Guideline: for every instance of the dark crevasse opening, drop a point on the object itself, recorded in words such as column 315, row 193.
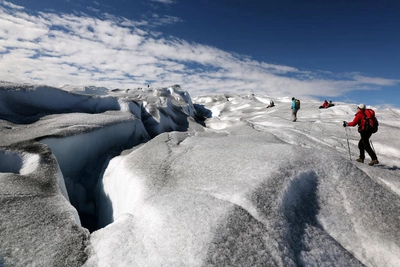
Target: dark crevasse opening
column 83, row 158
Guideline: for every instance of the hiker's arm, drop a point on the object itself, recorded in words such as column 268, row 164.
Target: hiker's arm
column 356, row 120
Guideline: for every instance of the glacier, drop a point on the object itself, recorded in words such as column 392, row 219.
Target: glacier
column 153, row 177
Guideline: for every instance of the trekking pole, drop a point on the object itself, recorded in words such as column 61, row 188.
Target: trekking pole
column 372, row 146
column 348, row 145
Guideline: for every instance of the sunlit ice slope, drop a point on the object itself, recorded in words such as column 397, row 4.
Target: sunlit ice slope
column 255, row 189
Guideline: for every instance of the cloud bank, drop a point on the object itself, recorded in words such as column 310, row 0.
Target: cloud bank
column 115, row 52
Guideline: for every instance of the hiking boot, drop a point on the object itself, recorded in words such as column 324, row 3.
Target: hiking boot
column 373, row 162
column 360, row 160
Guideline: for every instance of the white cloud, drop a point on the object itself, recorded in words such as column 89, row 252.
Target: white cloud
column 164, row 1
column 20, row 28
column 164, row 20
column 58, row 49
column 375, row 80
column 11, row 5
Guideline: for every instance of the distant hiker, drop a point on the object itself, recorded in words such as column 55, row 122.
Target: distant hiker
column 324, row 105
column 295, row 108
column 362, row 120
column 271, row 104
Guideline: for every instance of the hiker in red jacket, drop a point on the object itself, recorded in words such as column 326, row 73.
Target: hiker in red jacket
column 324, row 105
column 363, row 144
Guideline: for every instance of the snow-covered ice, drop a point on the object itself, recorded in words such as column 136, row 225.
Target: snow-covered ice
column 153, row 177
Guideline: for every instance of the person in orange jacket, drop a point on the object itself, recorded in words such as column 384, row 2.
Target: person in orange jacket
column 363, row 144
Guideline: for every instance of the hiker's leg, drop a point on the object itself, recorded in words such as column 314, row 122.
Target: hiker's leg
column 361, row 148
column 294, row 117
column 365, row 139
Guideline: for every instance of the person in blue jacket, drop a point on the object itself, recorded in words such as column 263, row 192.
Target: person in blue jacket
column 294, row 109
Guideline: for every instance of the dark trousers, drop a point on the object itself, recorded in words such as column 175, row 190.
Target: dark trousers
column 364, row 145
column 294, row 114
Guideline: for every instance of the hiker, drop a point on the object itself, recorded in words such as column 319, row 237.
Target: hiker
column 271, row 104
column 363, row 144
column 324, row 105
column 295, row 108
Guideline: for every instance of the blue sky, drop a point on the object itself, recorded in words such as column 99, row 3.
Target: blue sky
column 336, row 50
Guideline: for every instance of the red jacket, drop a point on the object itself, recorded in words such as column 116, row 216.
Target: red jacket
column 358, row 120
